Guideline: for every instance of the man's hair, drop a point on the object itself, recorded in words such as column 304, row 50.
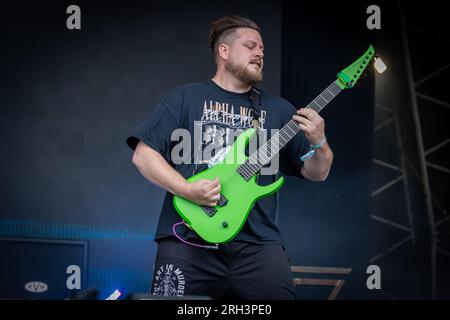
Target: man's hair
column 226, row 26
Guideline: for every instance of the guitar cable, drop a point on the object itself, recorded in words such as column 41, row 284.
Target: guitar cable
column 214, row 247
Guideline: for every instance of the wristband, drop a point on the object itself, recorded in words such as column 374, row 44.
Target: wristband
column 312, row 150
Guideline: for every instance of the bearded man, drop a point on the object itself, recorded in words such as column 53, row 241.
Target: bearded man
column 254, row 265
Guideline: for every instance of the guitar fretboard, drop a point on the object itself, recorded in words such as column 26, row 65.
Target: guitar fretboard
column 269, row 149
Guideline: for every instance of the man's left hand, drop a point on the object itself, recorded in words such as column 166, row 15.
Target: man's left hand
column 312, row 124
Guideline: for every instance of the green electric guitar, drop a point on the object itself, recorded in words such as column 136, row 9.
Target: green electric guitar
column 237, row 172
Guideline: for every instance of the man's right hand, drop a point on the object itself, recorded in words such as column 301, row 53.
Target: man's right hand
column 204, row 192
column 155, row 168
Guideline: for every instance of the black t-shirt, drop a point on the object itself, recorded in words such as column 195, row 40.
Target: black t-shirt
column 209, row 114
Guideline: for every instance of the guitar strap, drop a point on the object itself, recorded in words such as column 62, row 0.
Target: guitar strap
column 255, row 98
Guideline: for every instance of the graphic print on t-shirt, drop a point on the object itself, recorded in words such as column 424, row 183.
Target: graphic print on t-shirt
column 219, row 125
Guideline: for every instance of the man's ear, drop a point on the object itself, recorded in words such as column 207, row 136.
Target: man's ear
column 223, row 51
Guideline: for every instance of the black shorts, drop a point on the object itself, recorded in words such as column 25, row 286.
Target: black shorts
column 237, row 270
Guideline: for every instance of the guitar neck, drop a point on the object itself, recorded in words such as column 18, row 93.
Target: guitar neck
column 269, row 149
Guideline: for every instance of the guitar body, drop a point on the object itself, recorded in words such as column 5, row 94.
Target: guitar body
column 227, row 220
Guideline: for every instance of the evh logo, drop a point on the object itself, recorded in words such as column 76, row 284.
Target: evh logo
column 73, row 281
column 36, row 286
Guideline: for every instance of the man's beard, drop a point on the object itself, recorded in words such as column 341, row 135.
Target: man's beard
column 242, row 73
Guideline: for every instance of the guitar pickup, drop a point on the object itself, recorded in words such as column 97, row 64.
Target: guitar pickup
column 222, row 201
column 210, row 211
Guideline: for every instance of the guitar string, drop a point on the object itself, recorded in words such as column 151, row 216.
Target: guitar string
column 330, row 92
column 255, row 155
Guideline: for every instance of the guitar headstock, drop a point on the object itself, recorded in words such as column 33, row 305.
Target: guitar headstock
column 349, row 76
